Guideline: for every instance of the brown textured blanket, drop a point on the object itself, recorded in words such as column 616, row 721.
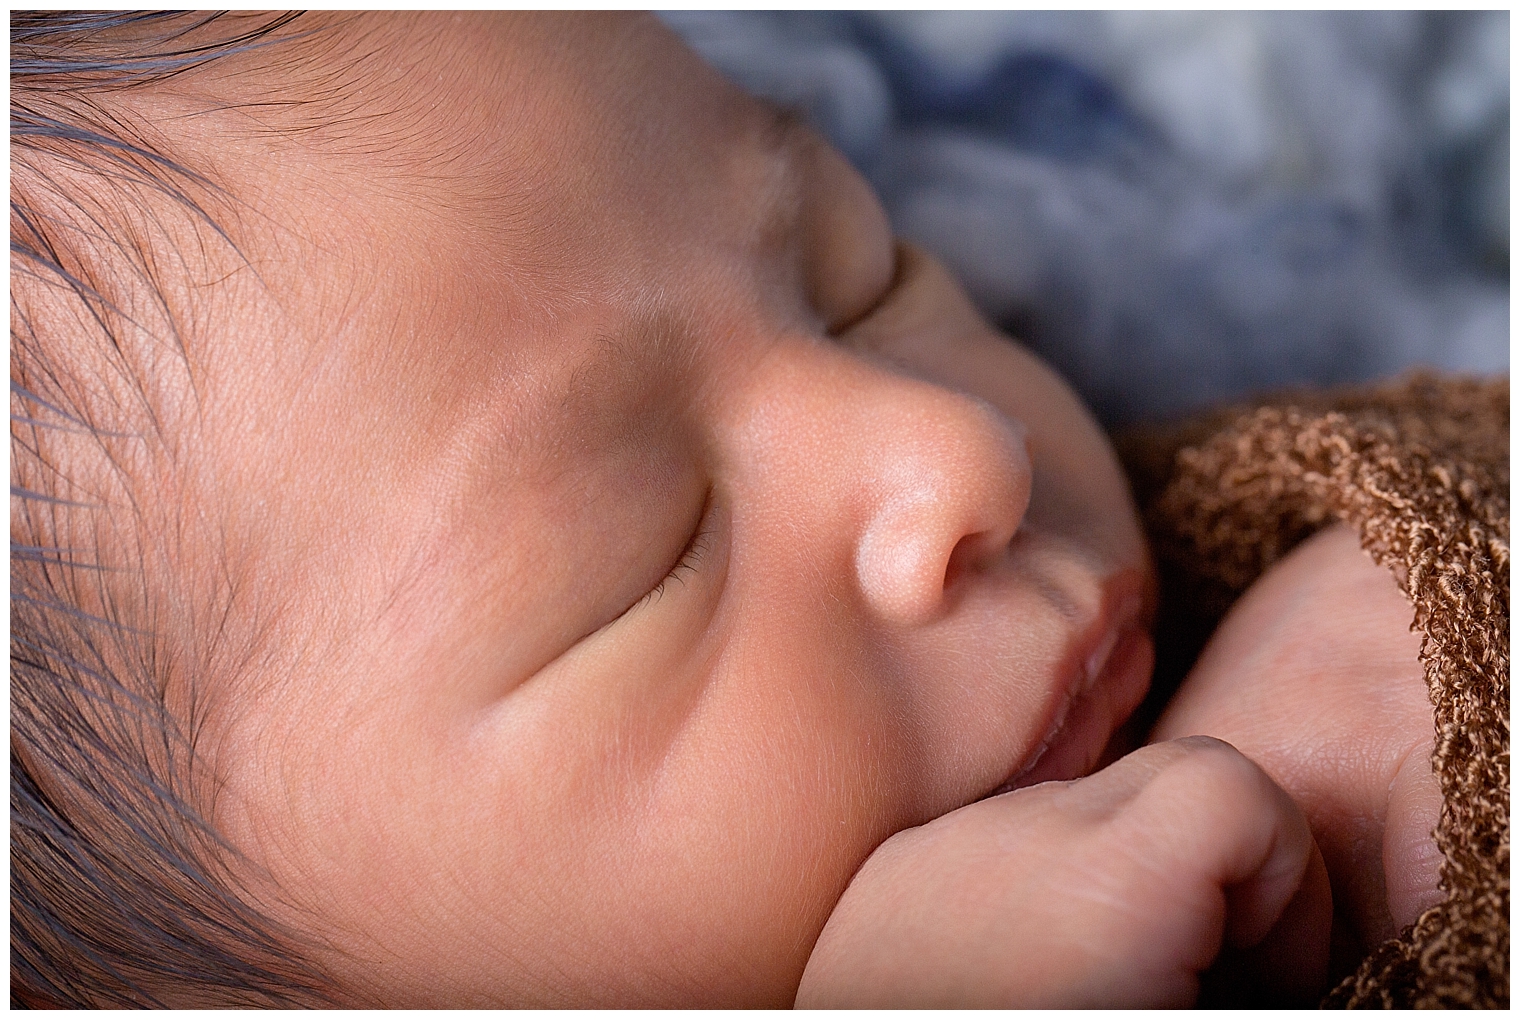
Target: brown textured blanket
column 1420, row 468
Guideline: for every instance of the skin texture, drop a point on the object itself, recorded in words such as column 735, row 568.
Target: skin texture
column 623, row 536
column 1114, row 890
column 1315, row 676
column 1056, row 896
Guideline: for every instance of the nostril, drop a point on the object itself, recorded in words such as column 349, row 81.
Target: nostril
column 971, row 554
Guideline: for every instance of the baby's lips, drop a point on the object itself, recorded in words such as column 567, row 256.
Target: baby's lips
column 1115, row 677
column 1098, row 713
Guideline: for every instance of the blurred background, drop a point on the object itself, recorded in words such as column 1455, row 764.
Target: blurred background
column 1178, row 208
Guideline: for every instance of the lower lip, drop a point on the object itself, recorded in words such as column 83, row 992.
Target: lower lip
column 1094, row 714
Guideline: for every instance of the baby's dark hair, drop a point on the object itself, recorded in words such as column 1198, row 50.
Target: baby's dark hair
column 122, row 891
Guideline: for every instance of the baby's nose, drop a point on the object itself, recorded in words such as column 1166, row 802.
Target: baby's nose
column 914, row 486
column 948, row 482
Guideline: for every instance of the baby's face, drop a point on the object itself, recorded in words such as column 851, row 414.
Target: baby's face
column 633, row 537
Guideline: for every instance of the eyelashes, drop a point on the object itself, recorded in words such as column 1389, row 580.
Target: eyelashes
column 691, row 557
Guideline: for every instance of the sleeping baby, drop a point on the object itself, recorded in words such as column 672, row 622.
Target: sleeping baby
column 498, row 520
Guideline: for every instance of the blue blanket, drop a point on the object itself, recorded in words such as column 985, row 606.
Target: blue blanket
column 1178, row 208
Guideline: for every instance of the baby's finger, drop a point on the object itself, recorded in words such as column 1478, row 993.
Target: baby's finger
column 1219, row 816
column 1221, row 823
column 1106, row 791
column 1411, row 861
column 1285, row 968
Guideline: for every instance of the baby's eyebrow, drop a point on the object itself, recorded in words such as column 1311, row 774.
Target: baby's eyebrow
column 781, row 141
column 787, row 137
column 783, row 126
column 641, row 355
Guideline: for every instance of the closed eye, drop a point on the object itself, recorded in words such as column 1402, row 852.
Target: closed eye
column 837, row 331
column 690, row 560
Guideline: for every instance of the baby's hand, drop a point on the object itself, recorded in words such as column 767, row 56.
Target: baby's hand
column 1114, row 890
column 1314, row 675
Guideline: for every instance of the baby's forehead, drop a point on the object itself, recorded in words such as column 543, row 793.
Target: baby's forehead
column 488, row 230
column 497, row 107
column 570, row 160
